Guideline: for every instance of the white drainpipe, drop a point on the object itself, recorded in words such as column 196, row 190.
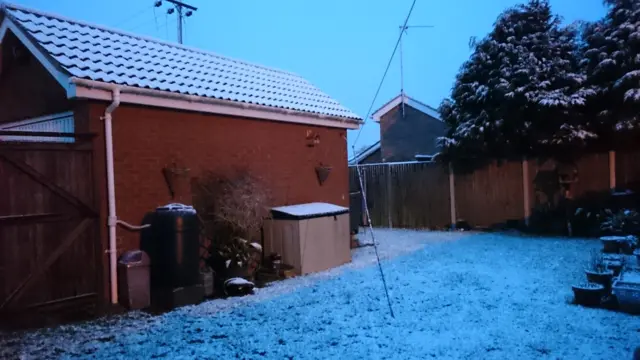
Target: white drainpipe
column 112, row 219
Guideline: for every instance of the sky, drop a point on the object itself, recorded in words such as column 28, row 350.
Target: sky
column 341, row 46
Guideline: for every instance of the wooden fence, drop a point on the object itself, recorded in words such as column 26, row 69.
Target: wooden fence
column 50, row 261
column 421, row 195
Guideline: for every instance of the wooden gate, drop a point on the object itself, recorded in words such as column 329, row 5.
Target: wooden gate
column 50, row 262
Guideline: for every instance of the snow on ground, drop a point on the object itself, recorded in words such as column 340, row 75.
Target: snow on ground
column 454, row 295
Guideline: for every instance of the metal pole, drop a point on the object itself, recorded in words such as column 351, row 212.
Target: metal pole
column 179, row 24
column 179, row 6
column 402, row 29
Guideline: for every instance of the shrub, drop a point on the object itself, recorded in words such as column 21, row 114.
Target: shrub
column 232, row 210
column 621, row 222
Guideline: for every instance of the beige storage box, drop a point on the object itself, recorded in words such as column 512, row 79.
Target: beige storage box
column 310, row 237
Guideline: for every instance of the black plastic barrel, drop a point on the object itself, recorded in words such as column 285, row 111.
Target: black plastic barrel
column 173, row 243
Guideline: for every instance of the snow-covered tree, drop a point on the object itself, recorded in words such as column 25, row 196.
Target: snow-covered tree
column 612, row 65
column 517, row 92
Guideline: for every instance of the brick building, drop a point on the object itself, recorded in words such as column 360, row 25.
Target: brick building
column 409, row 131
column 164, row 104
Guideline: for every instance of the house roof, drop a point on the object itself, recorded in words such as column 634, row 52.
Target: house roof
column 365, row 153
column 72, row 49
column 391, row 104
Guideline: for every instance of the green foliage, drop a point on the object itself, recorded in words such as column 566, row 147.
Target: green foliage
column 512, row 96
column 535, row 87
column 611, row 63
column 622, row 222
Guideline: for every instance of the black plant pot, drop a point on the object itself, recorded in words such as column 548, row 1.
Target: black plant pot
column 602, row 278
column 615, row 266
column 588, row 294
column 626, row 247
column 611, row 244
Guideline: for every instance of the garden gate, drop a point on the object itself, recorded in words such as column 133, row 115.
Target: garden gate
column 50, row 261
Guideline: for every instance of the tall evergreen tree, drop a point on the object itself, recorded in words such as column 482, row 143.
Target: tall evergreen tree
column 612, row 64
column 515, row 94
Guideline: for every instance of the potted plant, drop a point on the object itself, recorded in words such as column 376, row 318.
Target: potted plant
column 628, row 244
column 618, row 226
column 597, row 271
column 626, row 288
column 232, row 209
column 588, row 294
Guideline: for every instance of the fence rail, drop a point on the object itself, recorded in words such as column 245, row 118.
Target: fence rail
column 419, row 195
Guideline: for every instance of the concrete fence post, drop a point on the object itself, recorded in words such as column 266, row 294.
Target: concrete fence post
column 389, row 199
column 452, row 196
column 526, row 190
column 612, row 170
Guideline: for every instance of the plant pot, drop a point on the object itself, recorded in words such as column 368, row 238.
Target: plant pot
column 602, row 278
column 611, row 244
column 615, row 266
column 627, row 246
column 322, row 172
column 628, row 295
column 588, row 294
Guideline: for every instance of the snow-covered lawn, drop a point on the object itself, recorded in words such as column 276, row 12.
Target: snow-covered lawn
column 455, row 296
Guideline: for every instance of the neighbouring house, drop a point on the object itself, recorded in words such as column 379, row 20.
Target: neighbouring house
column 89, row 119
column 409, row 130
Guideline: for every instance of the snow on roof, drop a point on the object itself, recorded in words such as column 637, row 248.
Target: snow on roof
column 431, row 111
column 364, row 154
column 311, row 209
column 97, row 53
column 177, row 207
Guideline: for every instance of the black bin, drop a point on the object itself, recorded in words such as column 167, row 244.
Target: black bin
column 133, row 280
column 173, row 244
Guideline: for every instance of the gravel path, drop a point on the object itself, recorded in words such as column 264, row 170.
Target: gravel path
column 454, row 295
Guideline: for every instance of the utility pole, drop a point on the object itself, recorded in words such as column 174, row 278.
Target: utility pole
column 403, row 30
column 179, row 7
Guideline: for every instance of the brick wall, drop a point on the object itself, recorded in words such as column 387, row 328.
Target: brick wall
column 402, row 138
column 26, row 88
column 146, row 139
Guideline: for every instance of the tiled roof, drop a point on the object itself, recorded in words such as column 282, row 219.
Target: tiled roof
column 365, row 153
column 100, row 54
column 391, row 104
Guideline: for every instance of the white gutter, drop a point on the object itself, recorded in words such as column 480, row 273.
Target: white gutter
column 90, row 89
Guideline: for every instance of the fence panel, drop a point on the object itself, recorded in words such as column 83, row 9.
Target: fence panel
column 416, row 195
column 420, row 196
column 490, row 195
column 628, row 170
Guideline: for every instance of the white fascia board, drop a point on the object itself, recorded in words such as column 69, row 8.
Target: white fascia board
column 206, row 105
column 408, row 101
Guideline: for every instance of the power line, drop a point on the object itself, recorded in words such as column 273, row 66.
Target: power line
column 135, row 15
column 140, row 24
column 384, row 75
